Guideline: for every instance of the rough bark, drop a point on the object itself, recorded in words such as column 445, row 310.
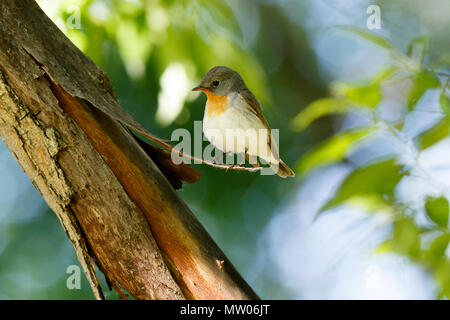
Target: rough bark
column 60, row 119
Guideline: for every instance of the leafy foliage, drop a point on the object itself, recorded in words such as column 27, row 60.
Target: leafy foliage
column 444, row 101
column 374, row 186
column 437, row 210
column 434, row 134
column 332, row 150
column 320, row 108
column 379, row 178
column 405, row 238
column 422, row 81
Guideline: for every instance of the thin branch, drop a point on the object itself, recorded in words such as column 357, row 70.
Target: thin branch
column 171, row 148
column 442, row 74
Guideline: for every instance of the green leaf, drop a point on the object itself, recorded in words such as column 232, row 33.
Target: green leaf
column 365, row 95
column 443, row 276
column 330, row 151
column 435, row 134
column 444, row 101
column 371, row 203
column 379, row 41
column 437, row 249
column 437, row 209
column 348, row 97
column 418, row 47
column 379, row 178
column 385, row 246
column 423, row 81
column 406, row 239
column 385, row 74
column 320, row 108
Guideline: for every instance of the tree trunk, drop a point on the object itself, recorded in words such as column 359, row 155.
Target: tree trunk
column 62, row 122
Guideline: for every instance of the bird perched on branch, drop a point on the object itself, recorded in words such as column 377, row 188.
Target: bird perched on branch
column 233, row 120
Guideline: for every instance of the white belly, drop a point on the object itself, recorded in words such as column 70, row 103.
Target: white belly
column 237, row 130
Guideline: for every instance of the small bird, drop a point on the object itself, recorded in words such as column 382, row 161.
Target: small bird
column 233, row 109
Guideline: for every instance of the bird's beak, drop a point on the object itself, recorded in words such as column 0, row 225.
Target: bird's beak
column 199, row 88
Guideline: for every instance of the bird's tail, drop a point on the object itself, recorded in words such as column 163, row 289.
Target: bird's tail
column 282, row 169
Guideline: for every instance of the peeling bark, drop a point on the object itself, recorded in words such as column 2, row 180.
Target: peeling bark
column 36, row 147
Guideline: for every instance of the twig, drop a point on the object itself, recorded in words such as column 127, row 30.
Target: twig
column 442, row 74
column 171, row 148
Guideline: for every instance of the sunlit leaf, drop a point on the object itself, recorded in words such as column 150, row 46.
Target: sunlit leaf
column 435, row 134
column 438, row 209
column 320, row 108
column 437, row 249
column 444, row 101
column 379, row 178
column 379, row 41
column 365, row 95
column 423, row 81
column 371, row 203
column 347, row 97
column 385, row 74
column 406, row 239
column 385, row 246
column 330, row 151
column 418, row 48
column 443, row 276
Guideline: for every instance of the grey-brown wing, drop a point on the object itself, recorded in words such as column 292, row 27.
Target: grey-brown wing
column 255, row 107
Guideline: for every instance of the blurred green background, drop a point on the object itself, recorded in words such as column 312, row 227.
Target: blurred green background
column 364, row 118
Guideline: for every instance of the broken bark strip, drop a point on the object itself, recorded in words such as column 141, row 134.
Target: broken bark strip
column 113, row 182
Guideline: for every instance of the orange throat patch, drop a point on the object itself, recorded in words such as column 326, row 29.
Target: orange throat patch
column 216, row 104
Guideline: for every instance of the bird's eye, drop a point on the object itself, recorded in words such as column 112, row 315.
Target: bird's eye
column 215, row 83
